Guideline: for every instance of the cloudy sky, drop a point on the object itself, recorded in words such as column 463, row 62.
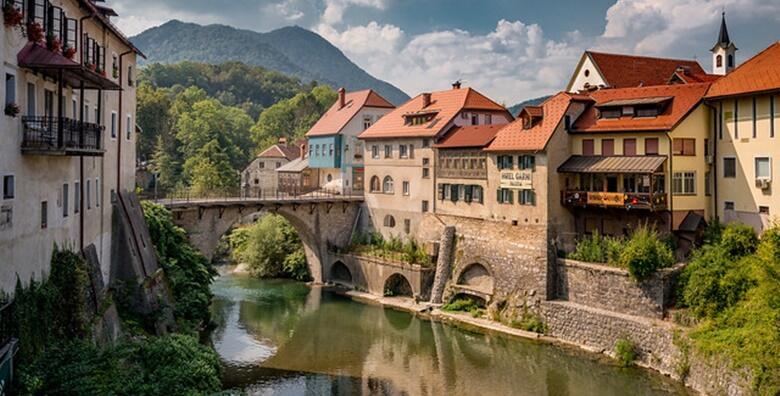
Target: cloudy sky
column 508, row 49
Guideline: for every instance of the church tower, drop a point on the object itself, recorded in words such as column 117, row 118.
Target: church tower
column 724, row 52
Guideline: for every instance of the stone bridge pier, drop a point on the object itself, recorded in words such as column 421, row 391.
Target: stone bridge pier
column 319, row 224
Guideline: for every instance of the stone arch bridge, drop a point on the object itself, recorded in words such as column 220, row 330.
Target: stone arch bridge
column 322, row 220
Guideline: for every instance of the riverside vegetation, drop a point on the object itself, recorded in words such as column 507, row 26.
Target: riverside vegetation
column 54, row 324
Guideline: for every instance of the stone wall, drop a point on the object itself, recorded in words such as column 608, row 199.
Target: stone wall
column 613, row 289
column 371, row 273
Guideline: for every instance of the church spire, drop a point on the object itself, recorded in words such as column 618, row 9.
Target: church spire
column 723, row 37
column 723, row 52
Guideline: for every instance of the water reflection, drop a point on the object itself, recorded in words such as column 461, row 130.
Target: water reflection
column 280, row 338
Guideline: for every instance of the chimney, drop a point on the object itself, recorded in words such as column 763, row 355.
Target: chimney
column 282, row 140
column 342, row 98
column 426, row 97
column 303, row 149
column 456, row 85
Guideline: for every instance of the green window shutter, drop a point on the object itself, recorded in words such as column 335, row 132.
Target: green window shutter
column 532, row 197
column 454, row 192
column 446, row 188
column 467, row 194
column 532, row 163
column 509, row 162
column 511, row 196
column 499, row 197
column 441, row 192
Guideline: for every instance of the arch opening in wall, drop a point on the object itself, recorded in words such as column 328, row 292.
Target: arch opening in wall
column 387, row 185
column 375, row 186
column 340, row 274
column 398, row 286
column 477, row 277
column 389, row 221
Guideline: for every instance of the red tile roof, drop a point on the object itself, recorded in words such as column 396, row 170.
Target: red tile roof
column 514, row 138
column 685, row 97
column 761, row 73
column 281, row 151
column 444, row 106
column 625, row 71
column 337, row 117
column 469, row 136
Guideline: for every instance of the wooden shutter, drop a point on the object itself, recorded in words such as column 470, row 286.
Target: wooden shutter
column 651, row 146
column 587, row 147
column 607, row 147
column 629, row 146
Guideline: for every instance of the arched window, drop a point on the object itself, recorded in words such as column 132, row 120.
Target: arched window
column 389, row 221
column 719, row 61
column 387, row 185
column 731, row 60
column 375, row 187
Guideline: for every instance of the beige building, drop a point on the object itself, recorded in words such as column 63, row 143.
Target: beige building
column 400, row 159
column 68, row 133
column 260, row 176
column 745, row 104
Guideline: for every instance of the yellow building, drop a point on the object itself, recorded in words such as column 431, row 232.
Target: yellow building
column 640, row 155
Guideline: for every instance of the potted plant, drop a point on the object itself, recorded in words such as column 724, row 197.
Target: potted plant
column 12, row 109
column 100, row 71
column 53, row 43
column 35, row 32
column 12, row 16
column 69, row 52
column 115, row 72
column 90, row 66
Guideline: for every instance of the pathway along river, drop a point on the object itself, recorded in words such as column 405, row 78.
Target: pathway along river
column 283, row 338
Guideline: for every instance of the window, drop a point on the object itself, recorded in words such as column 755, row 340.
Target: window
column 48, row 103
column 407, row 226
column 527, row 162
column 464, row 115
column 88, row 193
column 113, row 125
column 366, row 122
column 31, row 99
column 489, row 119
column 10, row 88
column 375, row 151
column 389, row 221
column 684, row 146
column 586, row 72
column 505, row 195
column 728, row 205
column 646, row 112
column 402, row 153
column 76, row 197
column 261, row 165
column 629, row 146
column 567, row 122
column 411, row 151
column 684, row 183
column 44, row 215
column 527, row 197
column 475, row 119
column 387, row 185
column 374, row 185
column 763, row 168
column 75, row 108
column 505, row 162
column 707, row 183
column 130, row 79
column 729, row 167
column 425, row 206
column 730, row 58
column 329, row 178
column 129, row 131
column 477, row 194
column 607, row 147
column 736, row 119
column 330, row 150
column 65, row 198
column 719, row 61
column 8, row 187
column 426, row 143
column 611, row 113
column 388, row 151
column 86, row 113
column 278, row 164
column 426, row 173
column 444, row 191
column 771, row 116
column 651, row 146
column 97, row 192
column 754, row 117
column 97, row 115
column 405, row 185
column 764, row 210
column 587, row 147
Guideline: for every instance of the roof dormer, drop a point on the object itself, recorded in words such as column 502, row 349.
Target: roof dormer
column 531, row 115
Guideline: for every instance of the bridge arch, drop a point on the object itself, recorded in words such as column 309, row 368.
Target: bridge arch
column 476, row 276
column 340, row 274
column 397, row 285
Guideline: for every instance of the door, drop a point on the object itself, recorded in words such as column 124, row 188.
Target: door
column 357, row 179
column 612, row 183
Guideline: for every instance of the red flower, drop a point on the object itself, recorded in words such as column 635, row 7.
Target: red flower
column 35, row 32
column 69, row 53
column 54, row 44
column 12, row 16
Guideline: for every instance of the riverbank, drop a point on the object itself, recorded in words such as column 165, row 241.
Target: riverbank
column 697, row 373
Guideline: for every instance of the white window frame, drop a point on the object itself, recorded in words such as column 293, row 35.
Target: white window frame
column 731, row 157
column 406, row 187
column 113, row 127
column 683, row 177
column 15, row 99
column 130, row 125
column 755, row 166
column 13, row 186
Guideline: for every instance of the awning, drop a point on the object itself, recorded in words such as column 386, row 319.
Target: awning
column 40, row 59
column 612, row 164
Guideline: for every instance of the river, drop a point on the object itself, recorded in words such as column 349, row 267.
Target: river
column 280, row 337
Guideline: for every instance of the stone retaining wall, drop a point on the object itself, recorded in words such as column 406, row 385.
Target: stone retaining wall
column 601, row 286
column 370, row 273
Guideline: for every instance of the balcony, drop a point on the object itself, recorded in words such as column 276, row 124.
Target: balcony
column 44, row 135
column 624, row 200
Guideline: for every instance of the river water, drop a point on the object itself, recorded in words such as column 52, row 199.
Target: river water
column 282, row 338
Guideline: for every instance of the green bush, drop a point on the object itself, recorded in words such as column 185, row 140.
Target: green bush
column 529, row 322
column 625, row 352
column 645, row 253
column 189, row 273
column 464, row 304
column 739, row 240
column 598, row 249
column 172, row 365
column 373, row 244
column 271, row 247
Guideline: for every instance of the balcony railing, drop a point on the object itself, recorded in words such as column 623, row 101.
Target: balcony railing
column 625, row 200
column 61, row 136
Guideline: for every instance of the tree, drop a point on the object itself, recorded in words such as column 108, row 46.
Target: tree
column 167, row 168
column 292, row 118
column 209, row 169
column 271, row 248
column 153, row 118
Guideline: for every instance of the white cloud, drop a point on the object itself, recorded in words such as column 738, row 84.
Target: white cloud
column 334, row 9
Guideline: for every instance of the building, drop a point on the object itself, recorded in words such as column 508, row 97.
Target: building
column 334, row 149
column 260, row 175
column 400, row 158
column 523, row 161
column 602, row 70
column 639, row 155
column 67, row 131
column 745, row 104
column 296, row 177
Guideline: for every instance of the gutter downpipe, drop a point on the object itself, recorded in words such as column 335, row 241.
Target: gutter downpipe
column 121, row 122
column 671, row 183
column 716, row 131
column 81, row 135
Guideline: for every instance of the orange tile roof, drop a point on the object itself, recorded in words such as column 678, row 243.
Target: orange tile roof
column 685, row 97
column 338, row 117
column 514, row 138
column 445, row 105
column 761, row 73
column 469, row 136
column 624, row 71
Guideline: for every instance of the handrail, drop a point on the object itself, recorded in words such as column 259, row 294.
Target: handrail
column 188, row 195
column 60, row 133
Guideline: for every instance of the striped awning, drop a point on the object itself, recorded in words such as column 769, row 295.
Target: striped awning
column 612, row 164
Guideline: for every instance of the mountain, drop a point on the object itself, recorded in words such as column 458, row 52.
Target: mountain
column 530, row 102
column 290, row 50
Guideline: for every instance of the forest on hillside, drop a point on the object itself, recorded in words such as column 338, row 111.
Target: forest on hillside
column 201, row 124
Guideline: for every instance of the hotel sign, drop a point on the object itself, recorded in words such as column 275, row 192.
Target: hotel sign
column 522, row 179
column 606, row 199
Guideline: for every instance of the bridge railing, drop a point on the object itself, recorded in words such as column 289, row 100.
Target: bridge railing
column 237, row 194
